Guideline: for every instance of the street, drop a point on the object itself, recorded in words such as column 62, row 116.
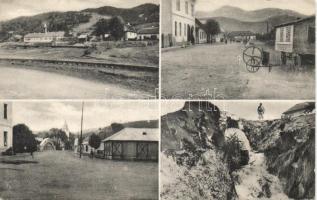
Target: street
column 62, row 175
column 218, row 72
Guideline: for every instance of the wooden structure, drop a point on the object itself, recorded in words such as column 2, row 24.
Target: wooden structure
column 132, row 144
column 296, row 40
column 299, row 109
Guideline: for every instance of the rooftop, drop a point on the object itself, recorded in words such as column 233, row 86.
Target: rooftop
column 48, row 34
column 135, row 134
column 296, row 21
column 301, row 106
column 154, row 30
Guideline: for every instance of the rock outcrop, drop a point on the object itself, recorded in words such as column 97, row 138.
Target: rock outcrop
column 192, row 164
column 289, row 147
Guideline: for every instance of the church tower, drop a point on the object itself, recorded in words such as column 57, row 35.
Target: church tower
column 65, row 129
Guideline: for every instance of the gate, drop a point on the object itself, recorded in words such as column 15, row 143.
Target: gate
column 116, row 150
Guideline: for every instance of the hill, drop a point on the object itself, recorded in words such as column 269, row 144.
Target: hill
column 248, row 16
column 79, row 20
column 230, row 24
column 145, row 13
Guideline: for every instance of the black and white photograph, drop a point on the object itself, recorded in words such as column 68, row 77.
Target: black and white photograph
column 72, row 150
column 237, row 150
column 260, row 49
column 79, row 49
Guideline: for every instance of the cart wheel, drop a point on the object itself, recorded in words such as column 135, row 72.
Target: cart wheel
column 253, row 65
column 252, row 52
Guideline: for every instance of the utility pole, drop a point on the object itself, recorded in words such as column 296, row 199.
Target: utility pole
column 81, row 130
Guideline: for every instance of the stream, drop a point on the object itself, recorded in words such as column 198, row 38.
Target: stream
column 255, row 182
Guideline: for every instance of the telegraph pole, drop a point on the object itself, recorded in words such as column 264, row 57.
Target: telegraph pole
column 81, row 130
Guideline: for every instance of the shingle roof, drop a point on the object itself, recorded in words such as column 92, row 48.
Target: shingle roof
column 154, row 30
column 135, row 134
column 301, row 106
column 48, row 34
column 296, row 21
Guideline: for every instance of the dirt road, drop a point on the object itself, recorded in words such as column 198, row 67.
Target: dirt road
column 20, row 83
column 63, row 175
column 218, row 72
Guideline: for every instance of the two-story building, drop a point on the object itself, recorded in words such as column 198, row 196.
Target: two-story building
column 6, row 135
column 178, row 23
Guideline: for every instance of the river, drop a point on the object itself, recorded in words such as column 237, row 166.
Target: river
column 20, row 83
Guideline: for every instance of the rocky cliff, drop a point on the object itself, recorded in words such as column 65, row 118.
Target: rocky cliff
column 192, row 164
column 289, row 147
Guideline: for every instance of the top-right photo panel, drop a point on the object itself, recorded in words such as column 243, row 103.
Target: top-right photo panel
column 260, row 49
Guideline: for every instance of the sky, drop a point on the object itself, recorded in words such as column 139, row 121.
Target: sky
column 10, row 9
column 240, row 109
column 303, row 6
column 44, row 115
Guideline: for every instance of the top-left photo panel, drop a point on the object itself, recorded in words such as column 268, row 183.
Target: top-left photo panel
column 76, row 49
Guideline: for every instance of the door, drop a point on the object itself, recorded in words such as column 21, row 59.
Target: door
column 116, row 150
column 142, row 151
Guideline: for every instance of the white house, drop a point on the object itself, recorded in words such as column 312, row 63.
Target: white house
column 6, row 135
column 130, row 32
column 178, row 23
column 46, row 37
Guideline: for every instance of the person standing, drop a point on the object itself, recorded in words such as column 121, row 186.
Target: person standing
column 261, row 111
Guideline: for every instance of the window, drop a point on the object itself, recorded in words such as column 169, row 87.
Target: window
column 186, row 7
column 288, row 34
column 192, row 9
column 5, row 138
column 5, row 111
column 180, row 29
column 311, row 34
column 282, row 34
column 185, row 30
column 175, row 28
column 178, row 5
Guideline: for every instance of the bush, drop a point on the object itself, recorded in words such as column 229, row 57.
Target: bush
column 232, row 149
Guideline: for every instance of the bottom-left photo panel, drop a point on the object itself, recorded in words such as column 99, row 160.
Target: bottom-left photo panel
column 79, row 150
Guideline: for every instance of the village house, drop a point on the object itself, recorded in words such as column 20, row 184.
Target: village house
column 130, row 32
column 151, row 33
column 298, row 38
column 201, row 35
column 299, row 109
column 132, row 144
column 240, row 36
column 6, row 135
column 47, row 37
column 178, row 23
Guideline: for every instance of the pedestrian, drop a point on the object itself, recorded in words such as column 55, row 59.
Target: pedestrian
column 32, row 154
column 91, row 154
column 261, row 111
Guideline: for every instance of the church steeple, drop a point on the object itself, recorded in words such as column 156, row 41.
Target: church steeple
column 65, row 129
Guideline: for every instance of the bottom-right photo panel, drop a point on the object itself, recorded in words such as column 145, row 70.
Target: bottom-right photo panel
column 237, row 150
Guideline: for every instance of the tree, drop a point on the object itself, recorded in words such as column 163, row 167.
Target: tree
column 94, row 141
column 23, row 139
column 116, row 26
column 212, row 28
column 101, row 27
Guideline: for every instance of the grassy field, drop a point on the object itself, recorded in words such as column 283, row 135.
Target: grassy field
column 62, row 175
column 219, row 71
